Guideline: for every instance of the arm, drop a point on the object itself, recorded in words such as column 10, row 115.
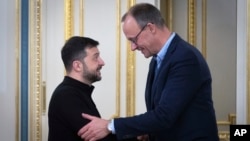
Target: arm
column 180, row 80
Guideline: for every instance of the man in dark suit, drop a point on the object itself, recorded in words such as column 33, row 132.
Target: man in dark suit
column 178, row 92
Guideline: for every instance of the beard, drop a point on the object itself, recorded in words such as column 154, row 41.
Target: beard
column 92, row 76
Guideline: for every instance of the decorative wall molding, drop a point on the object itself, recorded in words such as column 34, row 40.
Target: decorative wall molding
column 81, row 17
column 17, row 100
column 118, row 60
column 204, row 29
column 224, row 135
column 130, row 79
column 35, row 72
column 192, row 22
column 69, row 18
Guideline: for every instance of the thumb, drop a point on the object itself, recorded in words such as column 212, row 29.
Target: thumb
column 87, row 116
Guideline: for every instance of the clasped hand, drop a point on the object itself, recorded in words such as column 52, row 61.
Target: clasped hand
column 96, row 129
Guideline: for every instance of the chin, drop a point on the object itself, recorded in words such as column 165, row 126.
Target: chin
column 146, row 56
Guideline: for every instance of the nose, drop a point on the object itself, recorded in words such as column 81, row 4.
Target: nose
column 133, row 46
column 101, row 62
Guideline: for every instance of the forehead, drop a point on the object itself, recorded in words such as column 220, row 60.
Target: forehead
column 92, row 51
column 130, row 26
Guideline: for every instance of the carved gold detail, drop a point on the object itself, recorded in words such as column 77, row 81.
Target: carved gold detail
column 204, row 28
column 192, row 22
column 168, row 5
column 35, row 108
column 118, row 59
column 69, row 28
column 225, row 135
column 130, row 84
column 81, row 18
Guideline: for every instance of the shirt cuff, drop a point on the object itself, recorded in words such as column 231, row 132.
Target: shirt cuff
column 111, row 126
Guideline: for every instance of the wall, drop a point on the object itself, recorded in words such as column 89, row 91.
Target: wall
column 8, row 71
column 100, row 23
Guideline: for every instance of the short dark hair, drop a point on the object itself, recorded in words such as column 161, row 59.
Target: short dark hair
column 145, row 13
column 75, row 49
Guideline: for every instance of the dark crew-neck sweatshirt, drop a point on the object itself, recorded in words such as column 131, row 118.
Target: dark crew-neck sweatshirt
column 70, row 99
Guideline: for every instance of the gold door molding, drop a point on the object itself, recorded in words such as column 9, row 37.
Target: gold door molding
column 17, row 97
column 118, row 59
column 69, row 18
column 130, row 82
column 192, row 25
column 35, row 72
column 191, row 30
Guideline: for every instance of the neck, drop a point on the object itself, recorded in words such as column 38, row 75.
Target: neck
column 79, row 78
column 162, row 37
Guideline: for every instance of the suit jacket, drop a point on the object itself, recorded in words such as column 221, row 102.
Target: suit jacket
column 179, row 100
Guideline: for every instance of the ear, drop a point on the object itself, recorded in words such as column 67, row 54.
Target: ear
column 76, row 65
column 152, row 27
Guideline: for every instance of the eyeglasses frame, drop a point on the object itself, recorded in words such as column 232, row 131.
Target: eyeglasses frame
column 134, row 40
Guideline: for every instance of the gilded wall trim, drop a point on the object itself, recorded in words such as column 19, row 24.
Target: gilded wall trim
column 35, row 69
column 130, row 79
column 204, row 29
column 81, row 17
column 169, row 14
column 69, row 18
column 192, row 22
column 118, row 59
column 248, row 63
column 192, row 25
column 225, row 135
column 17, row 97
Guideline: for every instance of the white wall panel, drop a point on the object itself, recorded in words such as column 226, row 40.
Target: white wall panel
column 8, row 70
column 242, row 60
column 100, row 24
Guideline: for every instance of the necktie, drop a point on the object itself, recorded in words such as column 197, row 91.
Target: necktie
column 153, row 66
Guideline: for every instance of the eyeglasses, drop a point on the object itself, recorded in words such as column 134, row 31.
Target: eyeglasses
column 134, row 40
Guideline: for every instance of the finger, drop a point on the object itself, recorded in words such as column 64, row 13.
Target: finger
column 87, row 135
column 83, row 130
column 139, row 137
column 93, row 139
column 87, row 116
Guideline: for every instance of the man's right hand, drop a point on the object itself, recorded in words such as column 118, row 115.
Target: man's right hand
column 96, row 129
column 143, row 138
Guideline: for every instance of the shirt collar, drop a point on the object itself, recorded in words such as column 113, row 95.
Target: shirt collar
column 160, row 55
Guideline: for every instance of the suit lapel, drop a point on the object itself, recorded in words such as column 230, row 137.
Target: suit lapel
column 153, row 83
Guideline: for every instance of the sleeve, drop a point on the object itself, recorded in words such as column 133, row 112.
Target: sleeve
column 70, row 106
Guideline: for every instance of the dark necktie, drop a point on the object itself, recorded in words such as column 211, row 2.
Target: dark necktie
column 154, row 67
